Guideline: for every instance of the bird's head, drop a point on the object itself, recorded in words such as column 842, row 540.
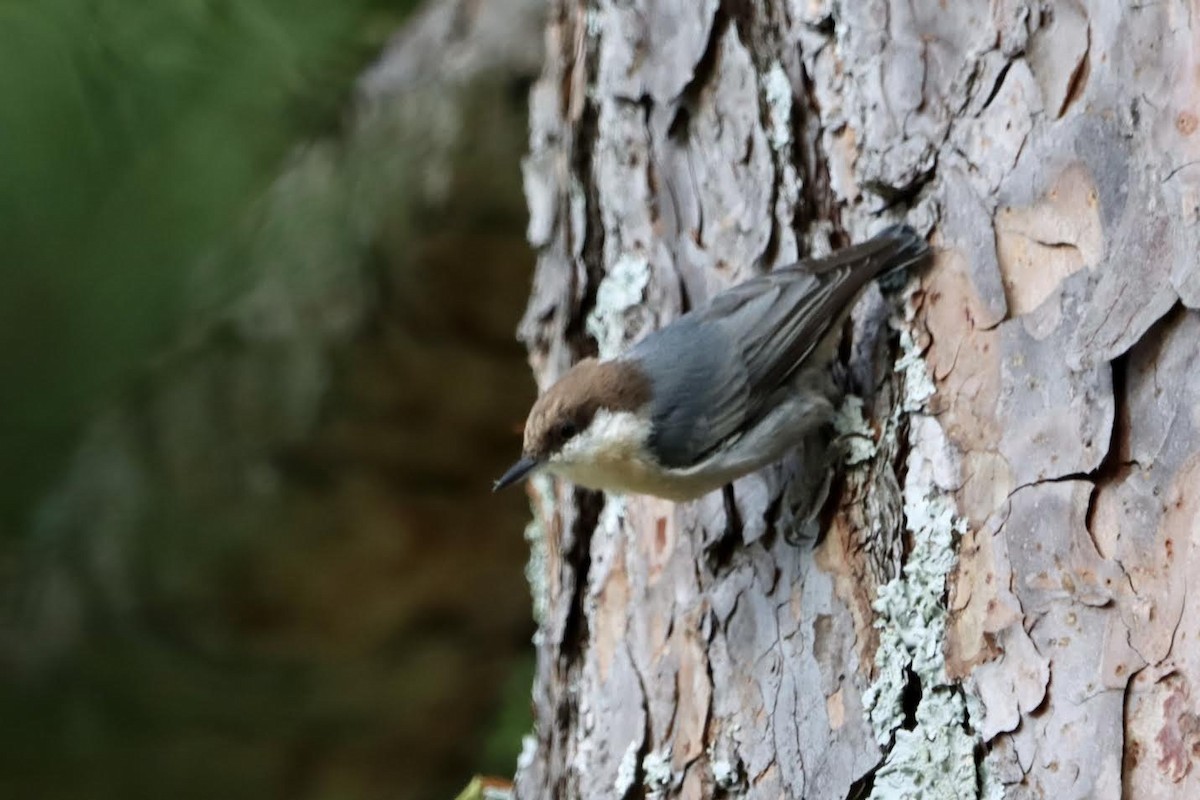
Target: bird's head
column 597, row 412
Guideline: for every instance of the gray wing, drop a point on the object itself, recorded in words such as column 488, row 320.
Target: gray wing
column 719, row 368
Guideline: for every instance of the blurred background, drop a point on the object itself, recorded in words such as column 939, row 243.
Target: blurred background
column 261, row 263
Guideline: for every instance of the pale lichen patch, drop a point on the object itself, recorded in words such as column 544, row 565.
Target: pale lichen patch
column 935, row 756
column 656, row 769
column 778, row 97
column 623, row 288
column 627, row 770
column 537, row 567
column 778, row 92
column 726, row 773
column 856, row 437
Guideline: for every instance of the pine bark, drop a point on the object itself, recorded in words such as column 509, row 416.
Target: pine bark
column 996, row 603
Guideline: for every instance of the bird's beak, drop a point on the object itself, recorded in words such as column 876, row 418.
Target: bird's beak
column 515, row 473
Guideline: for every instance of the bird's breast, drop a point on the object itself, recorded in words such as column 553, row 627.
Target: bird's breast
column 634, row 475
column 612, row 456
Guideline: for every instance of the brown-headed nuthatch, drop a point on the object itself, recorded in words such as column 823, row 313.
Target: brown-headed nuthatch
column 720, row 392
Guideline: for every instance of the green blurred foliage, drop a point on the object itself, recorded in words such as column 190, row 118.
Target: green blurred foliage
column 133, row 134
column 167, row 629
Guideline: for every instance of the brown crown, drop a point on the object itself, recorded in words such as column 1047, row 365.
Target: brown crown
column 568, row 406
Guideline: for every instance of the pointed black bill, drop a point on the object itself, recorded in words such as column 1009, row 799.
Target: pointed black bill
column 515, row 473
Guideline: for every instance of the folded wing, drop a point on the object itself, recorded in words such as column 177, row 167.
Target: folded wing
column 719, row 368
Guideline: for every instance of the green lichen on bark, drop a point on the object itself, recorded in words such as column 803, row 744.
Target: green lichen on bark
column 933, row 747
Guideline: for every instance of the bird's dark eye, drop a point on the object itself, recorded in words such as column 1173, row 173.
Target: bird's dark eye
column 566, row 430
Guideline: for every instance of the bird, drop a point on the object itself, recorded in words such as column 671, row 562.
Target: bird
column 721, row 391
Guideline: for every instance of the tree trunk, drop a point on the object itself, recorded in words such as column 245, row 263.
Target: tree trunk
column 997, row 601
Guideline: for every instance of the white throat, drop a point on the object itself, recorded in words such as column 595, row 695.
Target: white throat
column 609, row 454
